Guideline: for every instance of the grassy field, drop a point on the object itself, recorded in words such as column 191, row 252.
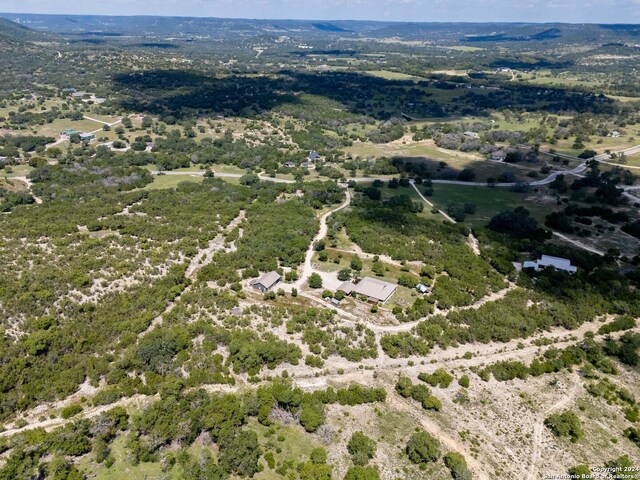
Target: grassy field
column 409, row 191
column 633, row 160
column 388, row 75
column 428, row 152
column 16, row 171
column 558, row 79
column 464, row 48
column 490, row 201
column 57, row 126
column 122, row 469
column 13, row 185
column 171, row 181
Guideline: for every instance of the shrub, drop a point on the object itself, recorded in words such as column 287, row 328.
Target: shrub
column 565, row 424
column 362, row 473
column 361, row 448
column 457, row 465
column 71, row 411
column 432, row 403
column 315, row 281
column 344, row 274
column 422, row 448
column 439, row 378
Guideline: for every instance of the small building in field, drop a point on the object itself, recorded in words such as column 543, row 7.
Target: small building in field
column 307, row 165
column 313, row 156
column 290, row 165
column 615, row 134
column 470, row 134
column 550, row 261
column 376, row 291
column 422, row 288
column 266, row 282
column 87, row 137
column 70, row 131
column 499, row 155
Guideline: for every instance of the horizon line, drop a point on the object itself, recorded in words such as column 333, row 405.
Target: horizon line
column 424, row 22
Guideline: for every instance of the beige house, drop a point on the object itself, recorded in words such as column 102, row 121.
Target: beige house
column 376, row 291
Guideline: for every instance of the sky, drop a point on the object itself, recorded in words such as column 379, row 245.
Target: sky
column 572, row 11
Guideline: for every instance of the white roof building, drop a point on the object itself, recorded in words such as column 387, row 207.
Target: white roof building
column 549, row 261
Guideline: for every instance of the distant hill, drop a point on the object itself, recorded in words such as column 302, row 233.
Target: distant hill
column 95, row 28
column 15, row 33
column 328, row 27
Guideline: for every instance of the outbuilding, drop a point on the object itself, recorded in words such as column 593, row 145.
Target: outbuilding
column 313, row 156
column 499, row 155
column 266, row 282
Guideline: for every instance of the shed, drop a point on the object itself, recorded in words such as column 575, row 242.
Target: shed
column 422, row 288
column 499, row 155
column 266, row 282
column 87, row 136
column 313, row 156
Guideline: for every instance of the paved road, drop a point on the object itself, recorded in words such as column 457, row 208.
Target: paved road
column 545, row 181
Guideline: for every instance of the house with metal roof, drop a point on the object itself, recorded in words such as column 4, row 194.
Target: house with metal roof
column 376, row 291
column 550, row 261
column 266, row 282
column 347, row 287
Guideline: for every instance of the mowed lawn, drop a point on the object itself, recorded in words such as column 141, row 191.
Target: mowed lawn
column 427, row 151
column 490, row 201
column 171, row 181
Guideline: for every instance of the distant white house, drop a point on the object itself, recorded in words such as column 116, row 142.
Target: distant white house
column 615, row 134
column 290, row 165
column 549, row 261
column 470, row 134
column 422, row 288
column 266, row 282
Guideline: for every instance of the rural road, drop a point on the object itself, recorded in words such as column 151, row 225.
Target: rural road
column 307, row 267
column 545, row 181
column 424, row 199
